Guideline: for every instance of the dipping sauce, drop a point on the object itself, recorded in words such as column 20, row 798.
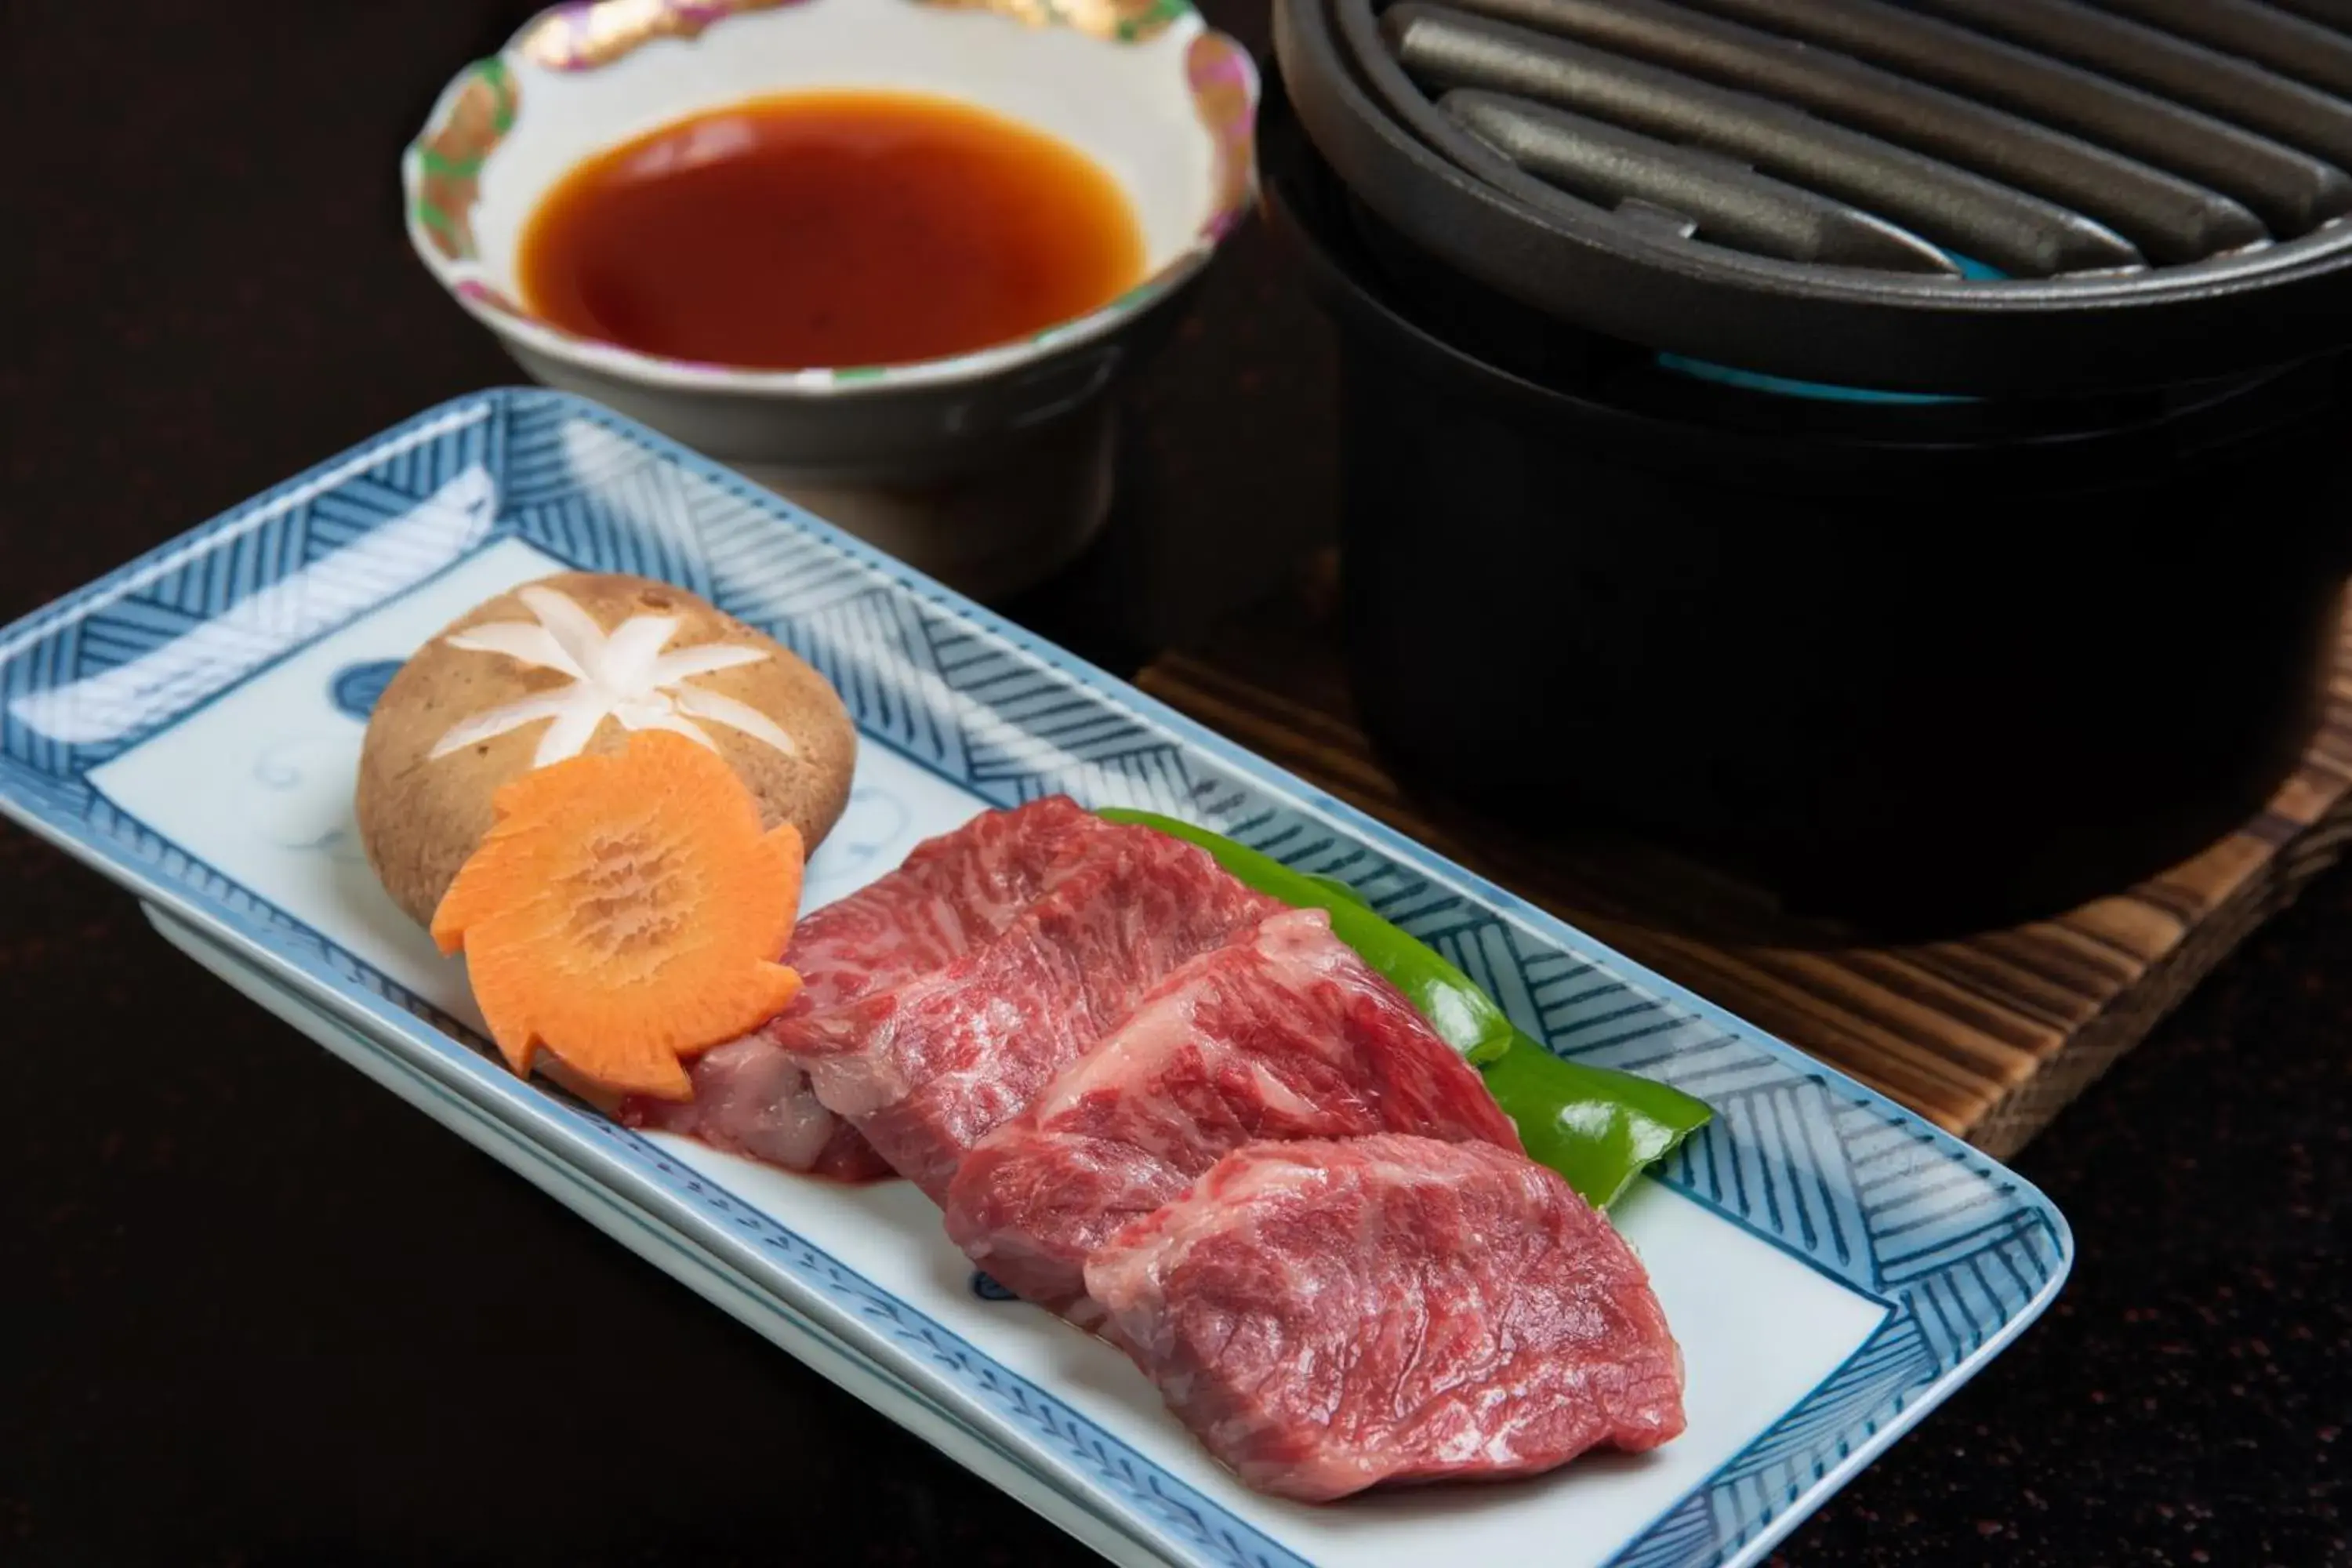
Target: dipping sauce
column 830, row 228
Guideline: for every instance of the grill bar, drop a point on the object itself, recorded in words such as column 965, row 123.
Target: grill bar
column 2234, row 89
column 1994, row 222
column 2328, row 13
column 1728, row 203
column 2292, row 191
column 2267, row 35
column 1766, row 83
column 2018, row 234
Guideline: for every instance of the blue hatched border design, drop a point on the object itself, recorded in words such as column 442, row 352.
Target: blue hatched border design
column 1964, row 1253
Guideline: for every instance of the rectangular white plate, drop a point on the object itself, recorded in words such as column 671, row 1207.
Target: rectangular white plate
column 190, row 725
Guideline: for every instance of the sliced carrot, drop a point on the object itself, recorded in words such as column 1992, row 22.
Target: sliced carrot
column 626, row 910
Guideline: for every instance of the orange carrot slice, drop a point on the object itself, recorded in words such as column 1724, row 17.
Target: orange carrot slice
column 625, row 911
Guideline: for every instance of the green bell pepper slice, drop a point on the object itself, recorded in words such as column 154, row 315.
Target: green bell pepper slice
column 1596, row 1126
column 1599, row 1128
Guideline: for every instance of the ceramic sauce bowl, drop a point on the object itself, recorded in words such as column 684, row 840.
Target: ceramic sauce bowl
column 989, row 469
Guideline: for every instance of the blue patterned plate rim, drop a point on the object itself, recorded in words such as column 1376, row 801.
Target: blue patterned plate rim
column 1715, row 1523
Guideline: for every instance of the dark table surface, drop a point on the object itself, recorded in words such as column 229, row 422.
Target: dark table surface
column 253, row 1309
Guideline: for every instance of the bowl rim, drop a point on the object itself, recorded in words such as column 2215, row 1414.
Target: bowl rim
column 460, row 276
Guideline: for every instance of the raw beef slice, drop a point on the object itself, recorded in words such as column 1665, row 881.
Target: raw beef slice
column 751, row 1099
column 953, row 893
column 950, row 894
column 927, row 1069
column 1328, row 1316
column 1283, row 1033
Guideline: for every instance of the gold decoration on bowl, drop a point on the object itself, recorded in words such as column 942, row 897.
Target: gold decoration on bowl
column 1114, row 21
column 452, row 157
column 583, row 36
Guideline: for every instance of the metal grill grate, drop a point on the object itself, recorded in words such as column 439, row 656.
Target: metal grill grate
column 2034, row 139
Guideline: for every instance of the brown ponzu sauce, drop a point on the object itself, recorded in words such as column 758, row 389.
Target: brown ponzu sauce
column 831, row 229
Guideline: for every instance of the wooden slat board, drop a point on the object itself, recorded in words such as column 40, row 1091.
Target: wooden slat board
column 1987, row 1036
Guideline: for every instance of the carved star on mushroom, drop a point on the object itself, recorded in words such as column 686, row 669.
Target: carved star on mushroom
column 623, row 675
